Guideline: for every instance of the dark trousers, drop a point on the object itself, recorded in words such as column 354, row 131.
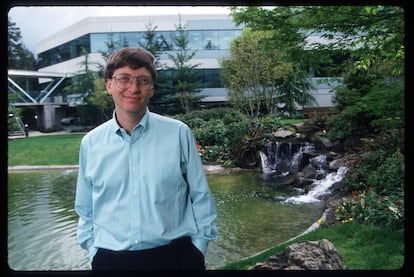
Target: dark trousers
column 180, row 254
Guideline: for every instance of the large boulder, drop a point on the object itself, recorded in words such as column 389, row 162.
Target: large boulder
column 305, row 255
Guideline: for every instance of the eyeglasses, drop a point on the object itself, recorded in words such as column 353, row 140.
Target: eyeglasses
column 124, row 81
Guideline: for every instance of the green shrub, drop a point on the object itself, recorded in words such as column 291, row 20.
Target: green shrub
column 270, row 123
column 212, row 132
column 218, row 132
column 378, row 191
column 368, row 103
column 214, row 153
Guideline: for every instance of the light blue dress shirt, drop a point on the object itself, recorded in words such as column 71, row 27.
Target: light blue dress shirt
column 142, row 190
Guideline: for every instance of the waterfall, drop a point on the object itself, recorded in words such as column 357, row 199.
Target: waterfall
column 282, row 157
column 265, row 163
column 305, row 147
column 320, row 187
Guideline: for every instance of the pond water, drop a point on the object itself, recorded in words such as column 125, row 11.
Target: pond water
column 252, row 216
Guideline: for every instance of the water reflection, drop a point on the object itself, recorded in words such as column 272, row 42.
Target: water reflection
column 42, row 221
column 253, row 217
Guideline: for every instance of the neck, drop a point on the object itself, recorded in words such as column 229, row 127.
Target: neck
column 129, row 120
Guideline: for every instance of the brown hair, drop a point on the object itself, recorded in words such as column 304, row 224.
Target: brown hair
column 133, row 57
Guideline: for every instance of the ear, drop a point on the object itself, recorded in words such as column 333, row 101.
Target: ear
column 108, row 85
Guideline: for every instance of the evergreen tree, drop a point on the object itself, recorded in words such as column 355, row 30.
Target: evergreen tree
column 83, row 84
column 162, row 101
column 111, row 46
column 83, row 81
column 19, row 57
column 184, row 85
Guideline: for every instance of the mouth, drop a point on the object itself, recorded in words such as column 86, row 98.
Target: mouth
column 133, row 97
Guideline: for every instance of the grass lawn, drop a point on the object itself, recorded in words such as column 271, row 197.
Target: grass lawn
column 361, row 247
column 44, row 150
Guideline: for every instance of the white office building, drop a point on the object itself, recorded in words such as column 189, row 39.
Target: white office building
column 208, row 35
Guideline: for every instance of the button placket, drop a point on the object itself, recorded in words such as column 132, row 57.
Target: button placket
column 134, row 189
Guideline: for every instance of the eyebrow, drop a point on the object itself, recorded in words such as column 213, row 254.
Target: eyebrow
column 123, row 73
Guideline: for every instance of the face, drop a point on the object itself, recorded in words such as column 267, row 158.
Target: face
column 133, row 99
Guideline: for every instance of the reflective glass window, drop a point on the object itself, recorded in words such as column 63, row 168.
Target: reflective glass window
column 210, row 40
column 99, row 42
column 210, row 78
column 131, row 39
column 165, row 41
column 195, row 40
column 225, row 37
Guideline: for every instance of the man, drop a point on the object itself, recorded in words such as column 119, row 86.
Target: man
column 142, row 196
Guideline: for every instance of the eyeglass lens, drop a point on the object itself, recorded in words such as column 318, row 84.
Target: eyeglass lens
column 125, row 80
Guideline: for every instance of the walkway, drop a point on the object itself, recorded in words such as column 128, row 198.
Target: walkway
column 208, row 168
column 66, row 130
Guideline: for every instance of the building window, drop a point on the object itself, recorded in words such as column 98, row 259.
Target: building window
column 64, row 52
column 211, row 78
column 211, row 40
column 165, row 40
column 131, row 39
column 195, row 40
column 98, row 42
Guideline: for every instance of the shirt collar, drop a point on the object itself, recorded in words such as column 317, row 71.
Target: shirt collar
column 118, row 129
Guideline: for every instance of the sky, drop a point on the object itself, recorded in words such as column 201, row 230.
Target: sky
column 38, row 22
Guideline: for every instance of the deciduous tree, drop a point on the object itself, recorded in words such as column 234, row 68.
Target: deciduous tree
column 254, row 73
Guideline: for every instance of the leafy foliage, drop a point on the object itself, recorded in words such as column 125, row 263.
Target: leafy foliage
column 367, row 103
column 282, row 23
column 217, row 131
column 265, row 71
column 252, row 74
column 375, row 33
column 101, row 100
column 378, row 191
column 371, row 34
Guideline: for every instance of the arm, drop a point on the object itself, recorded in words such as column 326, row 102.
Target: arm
column 83, row 207
column 203, row 204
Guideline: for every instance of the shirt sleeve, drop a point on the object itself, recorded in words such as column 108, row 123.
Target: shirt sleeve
column 83, row 207
column 203, row 204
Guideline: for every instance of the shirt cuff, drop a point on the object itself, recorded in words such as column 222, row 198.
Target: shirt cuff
column 91, row 252
column 201, row 245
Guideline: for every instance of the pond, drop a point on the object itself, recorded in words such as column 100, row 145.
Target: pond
column 252, row 216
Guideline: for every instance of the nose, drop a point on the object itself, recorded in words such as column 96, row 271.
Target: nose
column 135, row 87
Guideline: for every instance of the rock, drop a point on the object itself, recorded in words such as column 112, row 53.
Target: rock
column 337, row 163
column 320, row 136
column 305, row 255
column 282, row 133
